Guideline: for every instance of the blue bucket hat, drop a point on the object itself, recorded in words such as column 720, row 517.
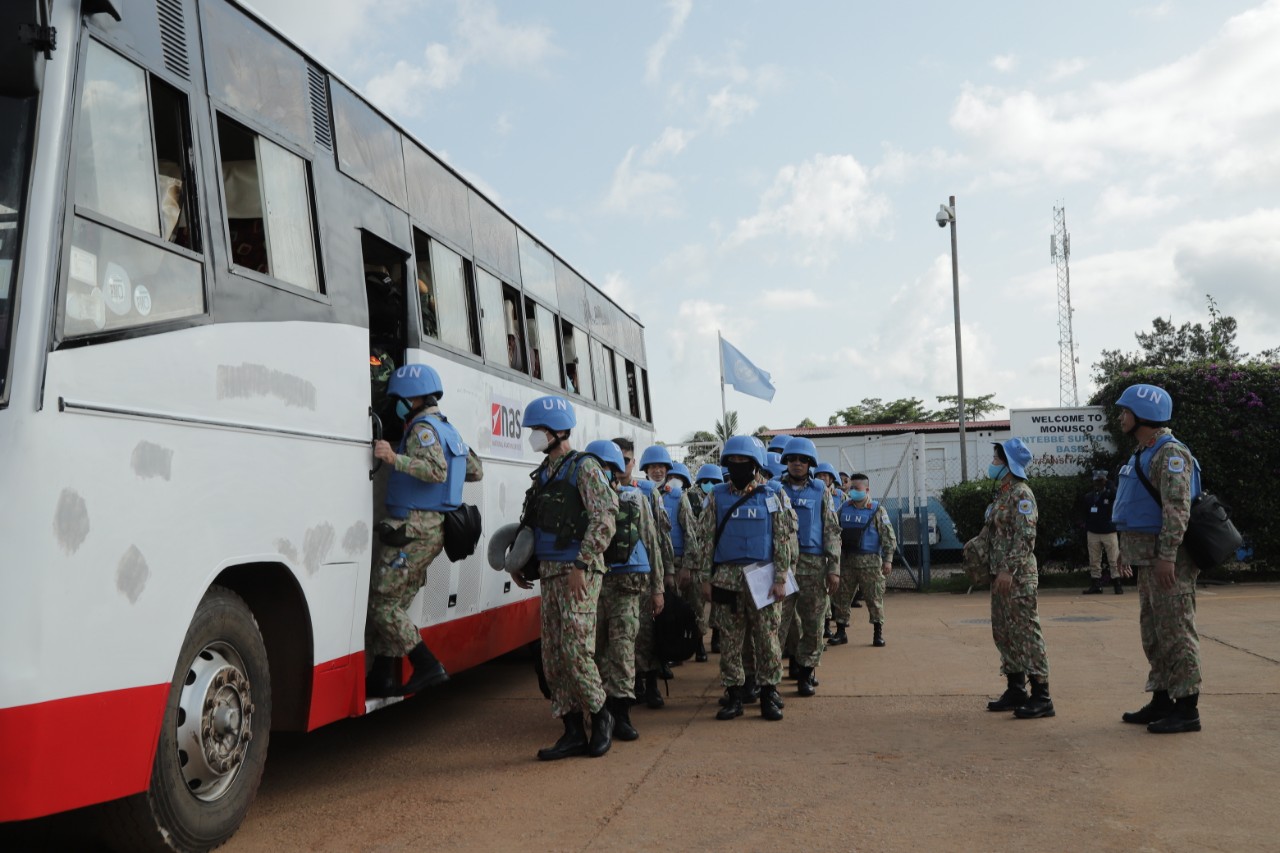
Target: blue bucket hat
column 1016, row 455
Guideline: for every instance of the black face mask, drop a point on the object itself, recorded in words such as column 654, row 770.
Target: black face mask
column 741, row 473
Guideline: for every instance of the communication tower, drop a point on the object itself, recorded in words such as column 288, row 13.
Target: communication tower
column 1060, row 252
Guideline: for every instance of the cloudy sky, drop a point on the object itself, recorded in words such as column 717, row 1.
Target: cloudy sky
column 773, row 171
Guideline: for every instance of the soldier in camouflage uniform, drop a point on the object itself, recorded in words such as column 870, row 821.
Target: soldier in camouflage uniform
column 429, row 468
column 678, row 496
column 1015, row 623
column 1151, row 543
column 818, row 564
column 655, row 462
column 708, row 477
column 572, row 510
column 757, row 525
column 629, row 578
column 869, row 550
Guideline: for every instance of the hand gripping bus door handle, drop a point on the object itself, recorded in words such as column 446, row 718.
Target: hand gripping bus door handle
column 377, row 436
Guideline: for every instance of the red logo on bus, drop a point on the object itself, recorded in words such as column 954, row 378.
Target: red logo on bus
column 504, row 421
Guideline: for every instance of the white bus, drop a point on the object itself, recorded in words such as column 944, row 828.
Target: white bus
column 210, row 249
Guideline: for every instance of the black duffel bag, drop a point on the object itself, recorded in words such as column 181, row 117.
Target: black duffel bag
column 462, row 529
column 1211, row 538
column 675, row 630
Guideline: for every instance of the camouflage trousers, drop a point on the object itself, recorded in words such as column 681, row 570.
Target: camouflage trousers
column 841, row 601
column 568, row 644
column 617, row 621
column 735, row 621
column 871, row 579
column 1168, row 624
column 803, row 614
column 692, row 595
column 645, row 660
column 398, row 575
column 1015, row 627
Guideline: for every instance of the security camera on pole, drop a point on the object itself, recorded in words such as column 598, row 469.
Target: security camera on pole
column 947, row 216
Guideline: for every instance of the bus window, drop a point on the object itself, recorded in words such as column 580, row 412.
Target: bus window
column 577, row 367
column 448, row 303
column 544, row 359
column 500, row 322
column 268, row 207
column 648, row 406
column 633, row 390
column 17, row 120
column 602, row 372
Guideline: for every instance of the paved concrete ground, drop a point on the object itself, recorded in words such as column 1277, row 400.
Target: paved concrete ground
column 895, row 753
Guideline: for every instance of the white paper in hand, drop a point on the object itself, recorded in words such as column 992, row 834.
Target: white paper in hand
column 759, row 580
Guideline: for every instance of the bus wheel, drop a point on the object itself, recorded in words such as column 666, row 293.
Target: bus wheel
column 213, row 741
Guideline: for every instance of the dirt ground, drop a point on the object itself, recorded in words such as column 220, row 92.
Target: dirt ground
column 896, row 752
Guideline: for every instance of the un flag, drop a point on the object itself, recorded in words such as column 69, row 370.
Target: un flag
column 742, row 374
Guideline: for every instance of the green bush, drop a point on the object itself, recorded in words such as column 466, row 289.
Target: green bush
column 1056, row 536
column 1228, row 414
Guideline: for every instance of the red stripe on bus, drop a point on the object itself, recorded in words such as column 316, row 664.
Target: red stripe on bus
column 68, row 753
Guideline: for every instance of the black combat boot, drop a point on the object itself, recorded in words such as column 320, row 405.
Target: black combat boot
column 715, row 641
column 770, row 702
column 572, row 742
column 1095, row 587
column 601, row 732
column 826, row 629
column 620, row 707
column 427, row 671
column 652, row 695
column 793, row 668
column 701, row 654
column 1184, row 718
column 839, row 638
column 1115, row 582
column 750, row 690
column 664, row 670
column 1039, row 705
column 732, row 704
column 877, row 638
column 381, row 680
column 1014, row 695
column 1157, row 709
column 857, row 598
column 805, row 684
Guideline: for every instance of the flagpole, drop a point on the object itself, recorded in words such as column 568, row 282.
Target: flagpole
column 724, row 416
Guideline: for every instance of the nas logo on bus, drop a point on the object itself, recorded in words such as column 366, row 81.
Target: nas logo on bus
column 504, row 421
column 505, row 417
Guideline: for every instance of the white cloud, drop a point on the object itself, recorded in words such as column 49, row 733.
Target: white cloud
column 672, row 141
column 820, row 201
column 618, row 288
column 1004, row 63
column 641, row 191
column 898, row 165
column 1153, row 11
column 789, row 299
column 1064, row 68
column 1219, row 100
column 482, row 39
column 726, row 108
column 680, row 10
column 1118, row 203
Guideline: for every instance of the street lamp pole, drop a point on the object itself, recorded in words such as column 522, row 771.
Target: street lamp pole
column 950, row 211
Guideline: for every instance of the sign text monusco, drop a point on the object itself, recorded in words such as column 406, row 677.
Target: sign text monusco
column 1061, row 440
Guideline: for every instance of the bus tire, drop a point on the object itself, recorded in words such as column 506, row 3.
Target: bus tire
column 213, row 740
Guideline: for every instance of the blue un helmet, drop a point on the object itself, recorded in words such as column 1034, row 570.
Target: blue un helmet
column 551, row 412
column 778, row 444
column 1147, row 402
column 655, row 454
column 773, row 464
column 828, row 468
column 803, row 448
column 681, row 470
column 608, row 453
column 744, row 445
column 710, row 474
column 415, row 380
column 1016, row 456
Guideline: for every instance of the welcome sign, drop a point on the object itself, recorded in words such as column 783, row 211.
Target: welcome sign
column 1061, row 440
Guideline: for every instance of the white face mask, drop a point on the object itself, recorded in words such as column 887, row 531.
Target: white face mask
column 539, row 441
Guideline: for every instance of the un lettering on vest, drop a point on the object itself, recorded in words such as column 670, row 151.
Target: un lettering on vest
column 505, row 431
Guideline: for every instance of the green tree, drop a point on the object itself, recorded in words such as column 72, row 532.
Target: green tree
column 873, row 410
column 975, row 408
column 760, row 432
column 701, row 436
column 807, row 423
column 727, row 427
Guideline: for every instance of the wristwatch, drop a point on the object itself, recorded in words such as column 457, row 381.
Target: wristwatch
column 579, row 564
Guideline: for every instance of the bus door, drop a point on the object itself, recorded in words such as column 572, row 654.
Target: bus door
column 385, row 273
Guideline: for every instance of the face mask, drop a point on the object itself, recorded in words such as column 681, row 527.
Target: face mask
column 707, row 487
column 742, row 473
column 855, row 495
column 403, row 409
column 539, row 441
column 995, row 471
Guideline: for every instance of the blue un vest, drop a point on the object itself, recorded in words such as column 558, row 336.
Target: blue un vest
column 638, row 561
column 1135, row 510
column 405, row 493
column 544, row 543
column 748, row 535
column 808, row 501
column 671, row 503
column 854, row 517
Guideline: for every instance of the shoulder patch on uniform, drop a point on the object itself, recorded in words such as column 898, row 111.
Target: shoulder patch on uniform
column 1177, row 464
column 1025, row 506
column 426, row 436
